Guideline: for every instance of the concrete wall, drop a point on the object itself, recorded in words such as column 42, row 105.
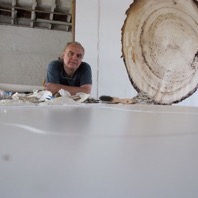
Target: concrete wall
column 25, row 52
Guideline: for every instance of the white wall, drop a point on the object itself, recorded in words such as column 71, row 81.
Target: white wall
column 98, row 28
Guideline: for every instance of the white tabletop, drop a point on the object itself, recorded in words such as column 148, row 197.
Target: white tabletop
column 99, row 151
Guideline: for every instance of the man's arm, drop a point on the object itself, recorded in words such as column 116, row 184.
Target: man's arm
column 54, row 88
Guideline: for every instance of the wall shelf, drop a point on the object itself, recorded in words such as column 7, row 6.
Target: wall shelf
column 38, row 16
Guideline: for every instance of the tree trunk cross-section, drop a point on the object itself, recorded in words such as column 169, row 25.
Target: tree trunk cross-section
column 160, row 48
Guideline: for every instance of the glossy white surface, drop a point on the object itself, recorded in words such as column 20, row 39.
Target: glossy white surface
column 99, row 151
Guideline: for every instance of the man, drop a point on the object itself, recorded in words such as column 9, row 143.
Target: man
column 69, row 72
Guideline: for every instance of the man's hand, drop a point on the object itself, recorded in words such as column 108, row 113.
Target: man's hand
column 54, row 88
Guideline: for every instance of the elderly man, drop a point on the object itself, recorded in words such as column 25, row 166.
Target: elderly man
column 69, row 72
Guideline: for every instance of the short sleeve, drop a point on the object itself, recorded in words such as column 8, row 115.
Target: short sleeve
column 53, row 72
column 86, row 74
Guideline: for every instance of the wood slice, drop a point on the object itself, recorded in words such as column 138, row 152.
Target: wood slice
column 160, row 48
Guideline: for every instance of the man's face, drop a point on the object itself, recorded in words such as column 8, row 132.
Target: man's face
column 73, row 56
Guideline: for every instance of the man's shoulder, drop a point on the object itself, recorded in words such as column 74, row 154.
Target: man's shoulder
column 85, row 66
column 56, row 62
column 55, row 65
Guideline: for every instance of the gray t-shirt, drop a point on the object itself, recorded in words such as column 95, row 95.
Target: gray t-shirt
column 57, row 74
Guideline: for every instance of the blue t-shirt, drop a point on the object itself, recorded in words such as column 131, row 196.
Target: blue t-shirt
column 56, row 74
